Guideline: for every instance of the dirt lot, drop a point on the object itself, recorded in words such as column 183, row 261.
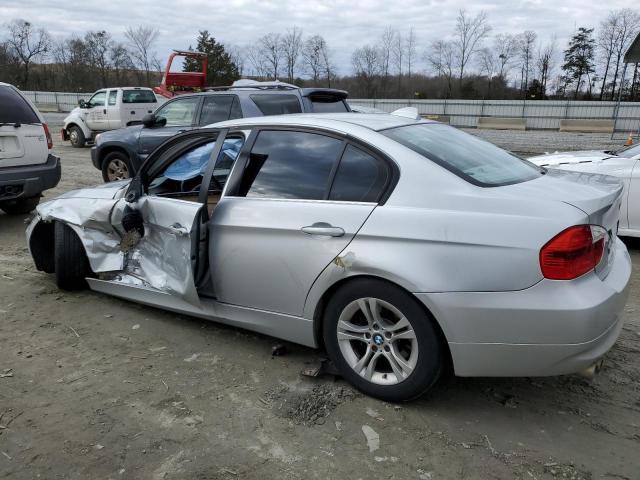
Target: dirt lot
column 92, row 387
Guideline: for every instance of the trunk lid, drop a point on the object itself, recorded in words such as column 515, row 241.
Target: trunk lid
column 598, row 196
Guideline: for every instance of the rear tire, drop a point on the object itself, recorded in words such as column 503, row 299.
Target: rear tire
column 20, row 206
column 76, row 137
column 116, row 166
column 375, row 320
column 70, row 259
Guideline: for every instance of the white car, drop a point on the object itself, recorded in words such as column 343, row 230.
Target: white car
column 108, row 109
column 27, row 164
column 623, row 163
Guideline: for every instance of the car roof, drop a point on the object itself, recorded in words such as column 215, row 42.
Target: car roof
column 374, row 122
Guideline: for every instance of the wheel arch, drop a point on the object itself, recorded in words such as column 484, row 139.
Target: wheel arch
column 107, row 149
column 321, row 304
column 85, row 131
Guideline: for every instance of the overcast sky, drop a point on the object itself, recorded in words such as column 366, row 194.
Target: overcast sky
column 344, row 24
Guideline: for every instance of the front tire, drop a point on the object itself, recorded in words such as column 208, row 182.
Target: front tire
column 70, row 259
column 76, row 137
column 20, row 206
column 382, row 340
column 116, row 166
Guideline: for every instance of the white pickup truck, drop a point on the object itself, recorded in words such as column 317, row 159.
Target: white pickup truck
column 108, row 109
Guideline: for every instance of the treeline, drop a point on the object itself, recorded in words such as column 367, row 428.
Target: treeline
column 473, row 62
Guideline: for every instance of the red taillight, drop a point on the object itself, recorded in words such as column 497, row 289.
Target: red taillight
column 573, row 252
column 47, row 134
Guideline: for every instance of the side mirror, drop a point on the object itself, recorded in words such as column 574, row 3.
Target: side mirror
column 82, row 103
column 151, row 121
column 135, row 191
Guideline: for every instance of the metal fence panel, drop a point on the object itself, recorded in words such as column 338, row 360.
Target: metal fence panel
column 541, row 114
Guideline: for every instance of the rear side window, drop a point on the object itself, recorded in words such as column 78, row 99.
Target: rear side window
column 14, row 108
column 113, row 96
column 277, row 104
column 472, row 159
column 328, row 105
column 138, row 96
column 217, row 108
column 286, row 164
column 360, row 177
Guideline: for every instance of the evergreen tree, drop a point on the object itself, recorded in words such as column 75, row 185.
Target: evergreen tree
column 221, row 69
column 578, row 58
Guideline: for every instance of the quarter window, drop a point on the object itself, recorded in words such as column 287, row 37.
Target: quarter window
column 285, row 164
column 277, row 104
column 360, row 177
column 179, row 112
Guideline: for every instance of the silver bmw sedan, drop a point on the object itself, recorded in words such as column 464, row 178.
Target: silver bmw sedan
column 400, row 246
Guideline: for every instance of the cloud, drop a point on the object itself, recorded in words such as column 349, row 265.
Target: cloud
column 344, row 23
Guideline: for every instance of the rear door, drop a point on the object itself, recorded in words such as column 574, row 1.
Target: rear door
column 277, row 227
column 113, row 110
column 22, row 136
column 180, row 115
column 136, row 103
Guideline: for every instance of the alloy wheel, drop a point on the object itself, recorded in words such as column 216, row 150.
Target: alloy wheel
column 377, row 341
column 117, row 170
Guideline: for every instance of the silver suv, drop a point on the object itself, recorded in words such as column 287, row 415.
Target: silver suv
column 27, row 165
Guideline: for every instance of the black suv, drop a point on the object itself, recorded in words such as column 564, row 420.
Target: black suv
column 119, row 153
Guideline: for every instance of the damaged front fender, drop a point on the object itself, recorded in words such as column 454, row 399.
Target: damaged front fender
column 90, row 219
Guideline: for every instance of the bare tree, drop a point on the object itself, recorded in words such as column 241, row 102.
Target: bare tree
column 27, row 44
column 441, row 57
column 237, row 57
column 271, row 49
column 316, row 59
column 141, row 42
column 98, row 47
column 411, row 49
column 291, row 46
column 489, row 65
column 505, row 47
column 366, row 66
column 398, row 54
column 527, row 41
column 545, row 64
column 470, row 32
column 120, row 61
column 257, row 61
column 627, row 26
column 385, row 53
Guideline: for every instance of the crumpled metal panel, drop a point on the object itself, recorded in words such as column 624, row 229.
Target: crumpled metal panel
column 162, row 257
column 90, row 219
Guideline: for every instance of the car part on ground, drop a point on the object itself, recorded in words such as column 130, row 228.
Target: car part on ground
column 27, row 164
column 401, row 246
column 245, row 98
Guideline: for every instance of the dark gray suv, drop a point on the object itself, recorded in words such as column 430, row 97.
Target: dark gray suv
column 119, row 153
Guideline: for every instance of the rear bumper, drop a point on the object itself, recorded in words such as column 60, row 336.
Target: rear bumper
column 30, row 180
column 551, row 328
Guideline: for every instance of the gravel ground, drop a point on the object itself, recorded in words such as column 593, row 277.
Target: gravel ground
column 95, row 387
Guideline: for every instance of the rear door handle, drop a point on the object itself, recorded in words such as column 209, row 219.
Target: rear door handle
column 323, row 229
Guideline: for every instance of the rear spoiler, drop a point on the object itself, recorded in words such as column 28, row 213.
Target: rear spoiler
column 326, row 94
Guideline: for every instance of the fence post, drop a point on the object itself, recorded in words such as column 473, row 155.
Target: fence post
column 55, row 95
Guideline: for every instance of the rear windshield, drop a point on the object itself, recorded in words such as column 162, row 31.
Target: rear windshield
column 328, row 105
column 469, row 157
column 138, row 96
column 14, row 109
column 277, row 104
